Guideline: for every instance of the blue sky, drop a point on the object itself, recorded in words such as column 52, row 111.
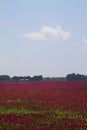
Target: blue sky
column 46, row 37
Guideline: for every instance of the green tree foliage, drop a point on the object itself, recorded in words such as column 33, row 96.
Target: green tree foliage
column 4, row 77
column 74, row 76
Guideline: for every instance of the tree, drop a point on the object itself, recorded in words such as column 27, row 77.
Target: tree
column 74, row 76
column 26, row 78
column 4, row 77
column 16, row 78
column 36, row 78
column 71, row 76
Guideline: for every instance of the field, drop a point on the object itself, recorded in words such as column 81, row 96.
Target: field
column 43, row 105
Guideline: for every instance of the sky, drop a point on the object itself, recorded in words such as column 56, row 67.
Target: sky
column 43, row 37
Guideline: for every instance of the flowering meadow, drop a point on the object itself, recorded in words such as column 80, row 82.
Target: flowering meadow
column 43, row 105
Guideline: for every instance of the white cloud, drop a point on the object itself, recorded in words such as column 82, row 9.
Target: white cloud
column 35, row 36
column 85, row 40
column 57, row 32
column 84, row 46
column 47, row 32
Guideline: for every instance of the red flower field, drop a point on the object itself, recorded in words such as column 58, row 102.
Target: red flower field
column 43, row 105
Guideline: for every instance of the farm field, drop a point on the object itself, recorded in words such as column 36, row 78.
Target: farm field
column 43, row 105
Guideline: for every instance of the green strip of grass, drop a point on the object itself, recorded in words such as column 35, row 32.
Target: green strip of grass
column 54, row 114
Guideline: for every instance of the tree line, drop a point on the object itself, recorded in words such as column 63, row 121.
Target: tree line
column 72, row 77
column 20, row 78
